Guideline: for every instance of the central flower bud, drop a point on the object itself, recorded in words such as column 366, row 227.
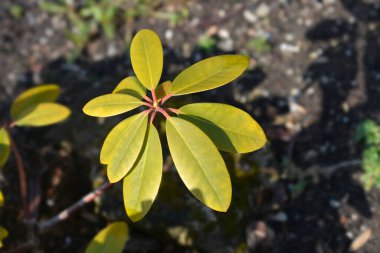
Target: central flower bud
column 155, row 104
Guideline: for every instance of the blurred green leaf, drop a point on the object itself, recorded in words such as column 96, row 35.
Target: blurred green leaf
column 53, row 7
column 110, row 239
column 34, row 96
column 4, row 146
column 43, row 114
column 3, row 234
column 1, row 199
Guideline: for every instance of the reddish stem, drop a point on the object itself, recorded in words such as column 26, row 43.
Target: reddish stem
column 63, row 215
column 152, row 117
column 147, row 111
column 22, row 176
column 163, row 112
column 147, row 99
column 153, row 95
column 176, row 111
column 163, row 100
column 147, row 104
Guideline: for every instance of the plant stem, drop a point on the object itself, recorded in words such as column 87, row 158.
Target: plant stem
column 153, row 95
column 163, row 112
column 147, row 104
column 22, row 175
column 163, row 100
column 147, row 99
column 176, row 111
column 152, row 116
column 63, row 215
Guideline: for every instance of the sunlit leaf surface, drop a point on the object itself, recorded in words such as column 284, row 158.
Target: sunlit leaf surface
column 141, row 184
column 110, row 239
column 123, row 146
column 199, row 164
column 111, row 104
column 43, row 114
column 147, row 58
column 130, row 86
column 230, row 128
column 209, row 74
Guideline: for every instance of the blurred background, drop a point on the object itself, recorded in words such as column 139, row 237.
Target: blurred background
column 313, row 84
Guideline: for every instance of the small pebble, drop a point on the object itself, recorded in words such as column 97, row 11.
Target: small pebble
column 334, row 203
column 263, row 10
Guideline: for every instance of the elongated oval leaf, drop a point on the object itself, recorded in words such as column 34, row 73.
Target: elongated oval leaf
column 4, row 146
column 199, row 164
column 141, row 184
column 116, row 136
column 42, row 115
column 111, row 104
column 209, row 74
column 230, row 128
column 34, row 96
column 163, row 89
column 147, row 58
column 130, row 86
column 110, row 239
column 125, row 152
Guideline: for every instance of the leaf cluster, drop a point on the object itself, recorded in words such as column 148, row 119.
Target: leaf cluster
column 132, row 150
column 36, row 107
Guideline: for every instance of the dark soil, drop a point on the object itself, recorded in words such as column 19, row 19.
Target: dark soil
column 302, row 193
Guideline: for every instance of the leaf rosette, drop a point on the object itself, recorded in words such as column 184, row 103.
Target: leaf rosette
column 195, row 132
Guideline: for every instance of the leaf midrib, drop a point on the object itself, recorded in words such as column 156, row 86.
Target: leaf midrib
column 112, row 104
column 148, row 61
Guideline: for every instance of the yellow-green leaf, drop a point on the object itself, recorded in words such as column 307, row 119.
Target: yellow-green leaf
column 4, row 146
column 43, row 114
column 111, row 104
column 115, row 136
column 110, row 239
column 147, row 58
column 130, row 86
column 141, row 184
column 199, row 164
column 123, row 153
column 3, row 235
column 209, row 74
column 1, row 199
column 230, row 128
column 34, row 96
column 163, row 89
